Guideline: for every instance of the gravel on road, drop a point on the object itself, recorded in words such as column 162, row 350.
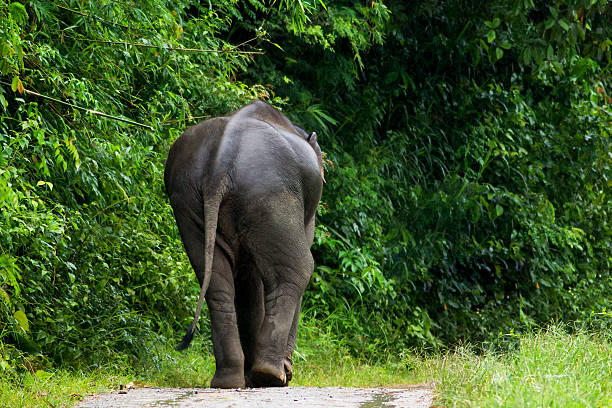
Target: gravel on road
column 311, row 397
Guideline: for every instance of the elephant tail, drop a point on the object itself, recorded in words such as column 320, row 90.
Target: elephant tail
column 212, row 202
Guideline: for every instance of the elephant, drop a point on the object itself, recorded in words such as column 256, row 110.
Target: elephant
column 244, row 189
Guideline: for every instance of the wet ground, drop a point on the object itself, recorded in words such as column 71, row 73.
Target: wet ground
column 311, row 397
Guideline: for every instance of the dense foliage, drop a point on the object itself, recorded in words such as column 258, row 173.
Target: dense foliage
column 467, row 150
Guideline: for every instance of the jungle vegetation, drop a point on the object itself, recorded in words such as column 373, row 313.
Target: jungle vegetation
column 468, row 165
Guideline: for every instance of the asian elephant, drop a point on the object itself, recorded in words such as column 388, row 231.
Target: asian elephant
column 244, row 189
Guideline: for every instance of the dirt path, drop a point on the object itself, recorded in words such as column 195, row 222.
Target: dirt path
column 311, row 397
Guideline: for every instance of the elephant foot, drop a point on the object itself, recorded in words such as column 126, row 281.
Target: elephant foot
column 267, row 375
column 288, row 364
column 233, row 379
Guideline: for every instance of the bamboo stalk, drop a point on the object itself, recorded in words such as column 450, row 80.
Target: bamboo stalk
column 93, row 112
column 171, row 121
column 224, row 51
column 89, row 15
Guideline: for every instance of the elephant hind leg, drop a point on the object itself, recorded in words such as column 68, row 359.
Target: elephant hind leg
column 288, row 361
column 220, row 297
column 271, row 367
column 285, row 265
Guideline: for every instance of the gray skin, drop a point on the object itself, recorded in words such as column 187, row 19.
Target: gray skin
column 244, row 189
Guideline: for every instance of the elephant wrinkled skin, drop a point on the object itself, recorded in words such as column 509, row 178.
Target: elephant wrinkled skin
column 244, row 189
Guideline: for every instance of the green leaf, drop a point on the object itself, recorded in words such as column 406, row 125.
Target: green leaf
column 538, row 55
column 22, row 319
column 18, row 12
column 43, row 375
column 499, row 53
column 491, row 36
column 6, row 50
column 276, row 45
column 45, row 183
column 19, row 52
column 564, row 24
column 499, row 210
column 5, row 297
column 484, row 45
column 550, row 52
column 493, row 24
column 527, row 55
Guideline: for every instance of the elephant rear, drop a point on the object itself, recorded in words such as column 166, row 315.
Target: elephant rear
column 245, row 187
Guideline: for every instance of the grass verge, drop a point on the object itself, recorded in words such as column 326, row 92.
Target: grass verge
column 548, row 368
column 61, row 388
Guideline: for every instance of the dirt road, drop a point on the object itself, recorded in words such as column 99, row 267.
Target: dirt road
column 311, row 397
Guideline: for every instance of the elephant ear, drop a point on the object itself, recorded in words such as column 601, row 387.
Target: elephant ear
column 312, row 140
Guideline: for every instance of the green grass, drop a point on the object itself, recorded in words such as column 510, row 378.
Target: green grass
column 322, row 360
column 548, row 368
column 61, row 388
